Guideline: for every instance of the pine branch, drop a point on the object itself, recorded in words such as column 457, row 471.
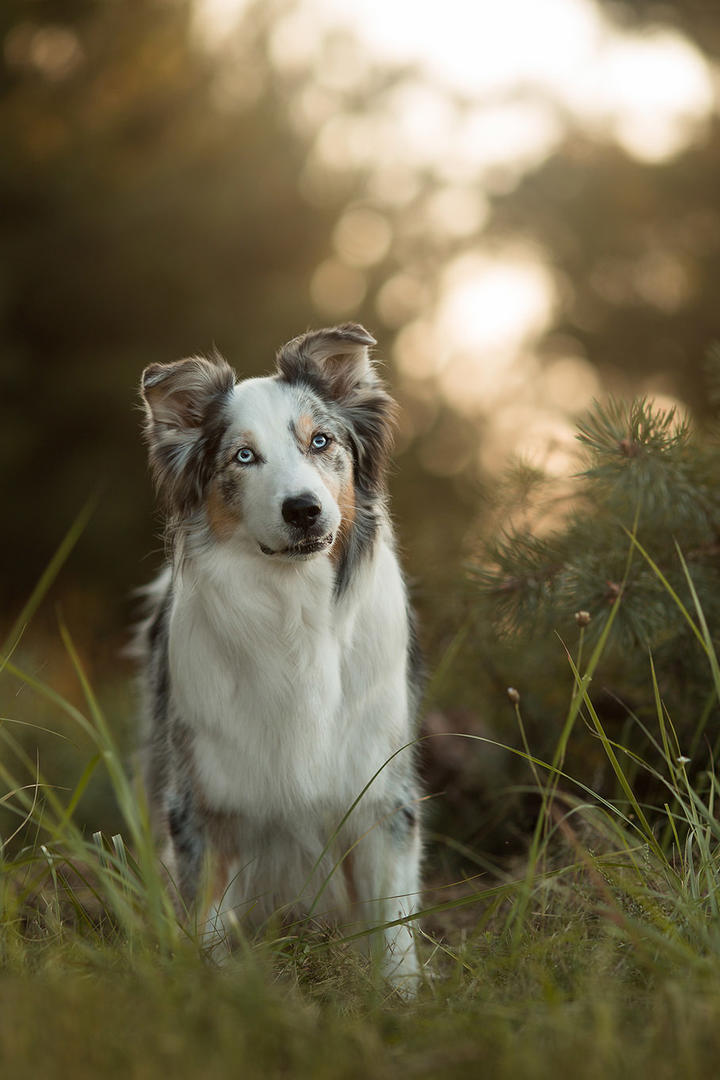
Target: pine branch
column 648, row 465
column 618, row 433
column 644, row 458
column 519, row 574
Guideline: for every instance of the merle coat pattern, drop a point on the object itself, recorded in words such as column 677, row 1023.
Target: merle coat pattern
column 279, row 657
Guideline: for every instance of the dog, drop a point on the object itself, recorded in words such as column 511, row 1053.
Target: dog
column 280, row 659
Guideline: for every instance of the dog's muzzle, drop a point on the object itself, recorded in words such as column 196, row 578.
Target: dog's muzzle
column 310, row 546
column 302, row 513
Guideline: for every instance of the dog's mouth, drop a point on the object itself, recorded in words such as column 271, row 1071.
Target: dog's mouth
column 304, row 547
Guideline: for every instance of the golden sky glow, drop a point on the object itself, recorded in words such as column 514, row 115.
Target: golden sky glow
column 526, row 71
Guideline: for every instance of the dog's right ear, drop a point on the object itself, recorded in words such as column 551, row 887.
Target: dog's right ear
column 177, row 395
column 182, row 403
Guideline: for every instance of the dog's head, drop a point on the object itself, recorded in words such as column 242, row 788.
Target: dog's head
column 284, row 465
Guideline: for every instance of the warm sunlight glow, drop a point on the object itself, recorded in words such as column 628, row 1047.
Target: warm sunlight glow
column 483, row 94
column 216, row 19
column 337, row 290
column 541, row 437
column 456, row 211
column 527, row 65
column 492, row 307
column 569, row 384
column 654, row 91
column 495, row 303
column 400, row 299
column 478, row 48
column 519, row 134
column 362, row 237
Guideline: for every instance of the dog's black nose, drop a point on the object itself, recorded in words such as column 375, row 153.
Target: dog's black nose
column 301, row 510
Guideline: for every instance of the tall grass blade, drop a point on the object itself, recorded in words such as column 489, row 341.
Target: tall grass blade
column 47, row 577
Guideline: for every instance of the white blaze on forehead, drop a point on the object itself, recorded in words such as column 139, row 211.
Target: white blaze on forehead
column 263, row 408
column 262, row 414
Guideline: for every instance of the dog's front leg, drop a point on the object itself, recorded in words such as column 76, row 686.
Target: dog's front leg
column 386, row 870
column 188, row 845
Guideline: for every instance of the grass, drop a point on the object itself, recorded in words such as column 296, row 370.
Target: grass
column 598, row 955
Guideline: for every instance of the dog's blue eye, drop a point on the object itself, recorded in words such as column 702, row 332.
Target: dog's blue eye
column 320, row 441
column 245, row 456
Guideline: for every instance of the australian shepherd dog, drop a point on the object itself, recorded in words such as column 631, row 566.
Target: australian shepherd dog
column 279, row 656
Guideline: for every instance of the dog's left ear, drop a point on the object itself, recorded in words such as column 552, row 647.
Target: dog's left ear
column 338, row 357
column 336, row 363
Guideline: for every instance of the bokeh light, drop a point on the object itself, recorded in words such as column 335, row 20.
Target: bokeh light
column 507, row 195
column 486, row 94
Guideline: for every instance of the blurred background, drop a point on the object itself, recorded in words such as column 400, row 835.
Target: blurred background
column 520, row 200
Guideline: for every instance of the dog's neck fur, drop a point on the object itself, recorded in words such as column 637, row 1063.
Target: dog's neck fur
column 244, row 588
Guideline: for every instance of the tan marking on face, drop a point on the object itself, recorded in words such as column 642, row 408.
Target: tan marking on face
column 221, row 519
column 330, row 478
column 346, row 500
column 243, row 438
column 305, row 427
column 344, row 496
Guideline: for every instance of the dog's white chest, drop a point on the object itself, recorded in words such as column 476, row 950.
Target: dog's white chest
column 257, row 675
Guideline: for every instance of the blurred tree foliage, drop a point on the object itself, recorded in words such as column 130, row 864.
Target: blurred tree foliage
column 562, row 566
column 138, row 222
column 638, row 250
column 637, row 245
column 150, row 206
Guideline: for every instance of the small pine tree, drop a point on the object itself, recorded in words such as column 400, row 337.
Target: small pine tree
column 647, row 473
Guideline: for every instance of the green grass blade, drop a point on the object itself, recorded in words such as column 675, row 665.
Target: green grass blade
column 704, row 632
column 48, row 577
